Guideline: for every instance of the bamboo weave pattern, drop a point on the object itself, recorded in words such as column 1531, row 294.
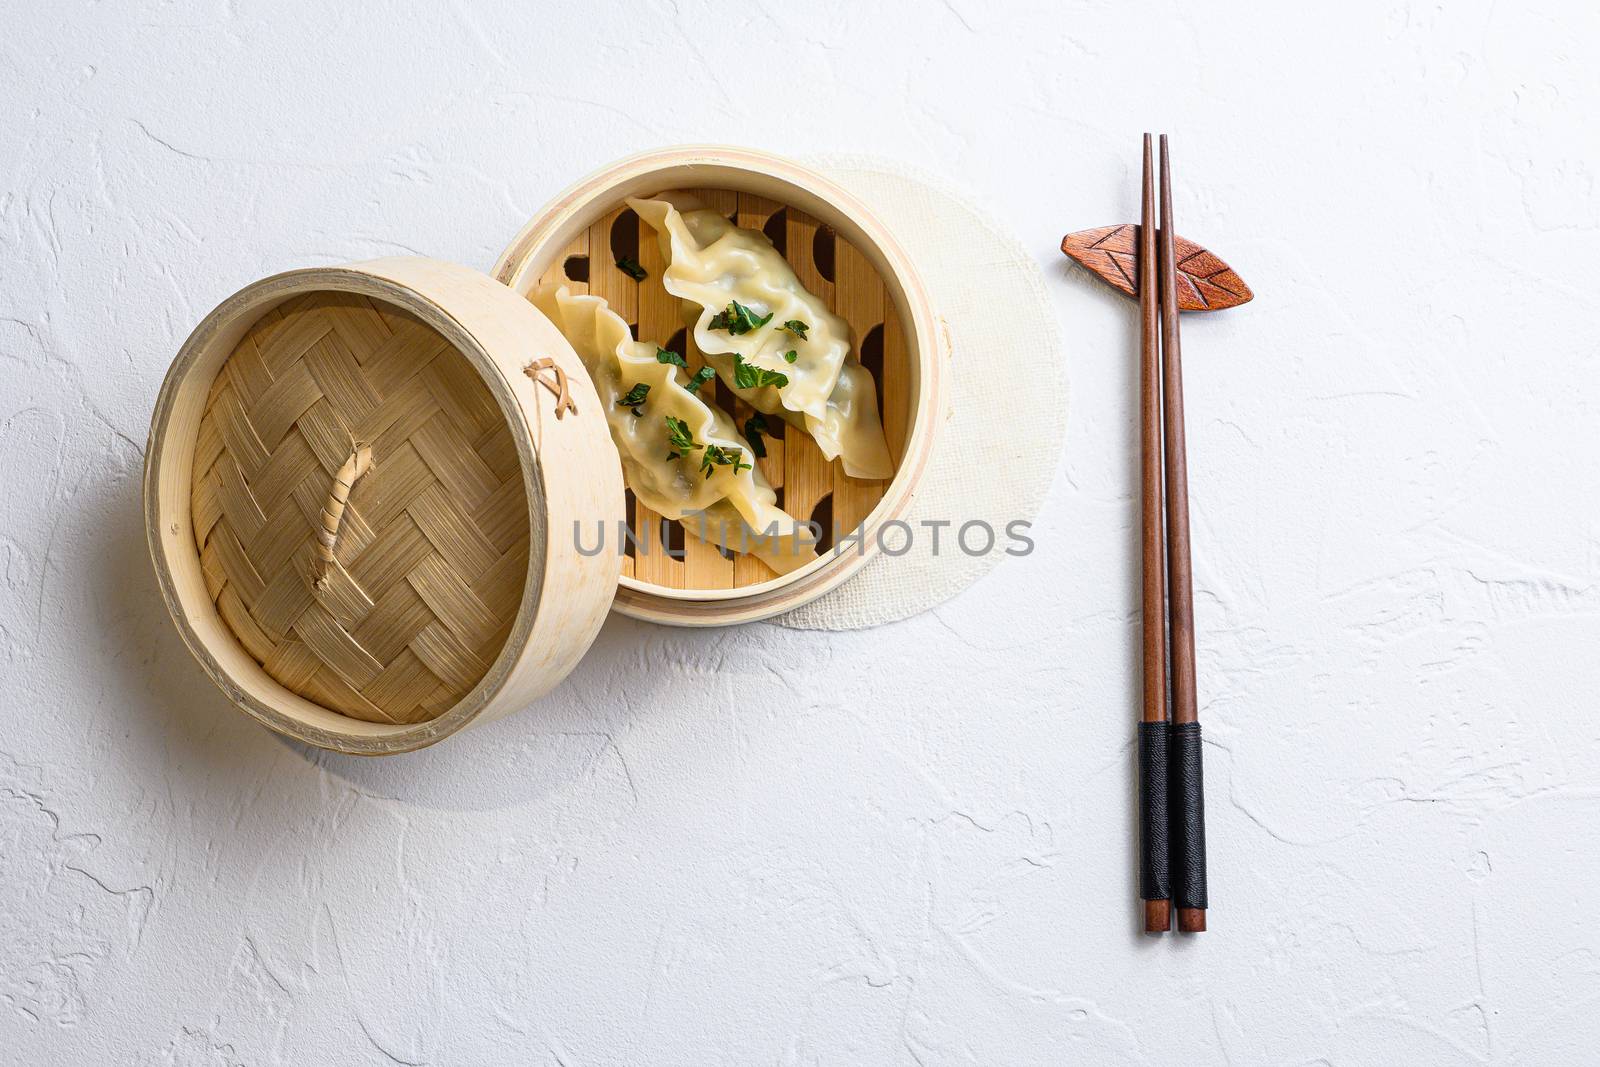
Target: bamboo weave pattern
column 432, row 549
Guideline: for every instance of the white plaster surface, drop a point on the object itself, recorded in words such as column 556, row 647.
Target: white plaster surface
column 901, row 846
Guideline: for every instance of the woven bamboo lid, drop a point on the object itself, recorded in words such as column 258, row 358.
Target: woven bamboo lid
column 408, row 594
column 383, row 465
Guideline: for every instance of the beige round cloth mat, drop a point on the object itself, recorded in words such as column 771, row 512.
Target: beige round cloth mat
column 1007, row 372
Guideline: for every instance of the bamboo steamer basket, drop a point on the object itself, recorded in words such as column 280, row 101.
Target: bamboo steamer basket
column 364, row 483
column 841, row 253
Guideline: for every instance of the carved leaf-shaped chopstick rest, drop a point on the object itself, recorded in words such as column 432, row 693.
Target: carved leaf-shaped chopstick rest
column 1205, row 283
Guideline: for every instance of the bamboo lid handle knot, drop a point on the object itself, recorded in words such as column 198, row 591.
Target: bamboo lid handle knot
column 558, row 388
column 359, row 463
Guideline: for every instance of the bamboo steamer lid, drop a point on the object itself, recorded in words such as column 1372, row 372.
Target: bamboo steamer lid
column 361, row 493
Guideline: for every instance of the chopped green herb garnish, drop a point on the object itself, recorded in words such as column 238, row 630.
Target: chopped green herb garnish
column 630, row 266
column 796, row 327
column 790, row 356
column 635, row 397
column 750, row 376
column 701, row 377
column 754, row 427
column 737, row 319
column 681, row 440
column 666, row 355
column 716, row 456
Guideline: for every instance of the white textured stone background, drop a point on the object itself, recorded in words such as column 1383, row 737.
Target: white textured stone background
column 901, row 846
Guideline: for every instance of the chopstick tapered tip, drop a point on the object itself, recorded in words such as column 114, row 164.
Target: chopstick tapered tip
column 1157, row 916
column 1192, row 920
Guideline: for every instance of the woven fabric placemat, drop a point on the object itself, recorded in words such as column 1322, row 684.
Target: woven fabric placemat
column 1006, row 417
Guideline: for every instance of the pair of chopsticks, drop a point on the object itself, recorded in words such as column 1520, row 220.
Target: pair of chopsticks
column 1172, row 846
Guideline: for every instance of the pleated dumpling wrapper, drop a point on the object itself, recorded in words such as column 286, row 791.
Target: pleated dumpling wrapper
column 774, row 343
column 681, row 455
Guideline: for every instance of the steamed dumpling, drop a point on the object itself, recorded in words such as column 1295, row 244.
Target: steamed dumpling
column 681, row 455
column 812, row 381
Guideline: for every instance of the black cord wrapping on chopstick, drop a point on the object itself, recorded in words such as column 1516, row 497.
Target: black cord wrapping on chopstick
column 1188, row 818
column 1155, row 881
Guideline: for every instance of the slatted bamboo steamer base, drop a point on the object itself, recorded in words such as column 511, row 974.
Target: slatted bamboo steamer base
column 843, row 255
column 446, row 597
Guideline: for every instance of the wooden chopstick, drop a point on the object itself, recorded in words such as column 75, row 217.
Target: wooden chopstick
column 1154, row 879
column 1187, row 826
